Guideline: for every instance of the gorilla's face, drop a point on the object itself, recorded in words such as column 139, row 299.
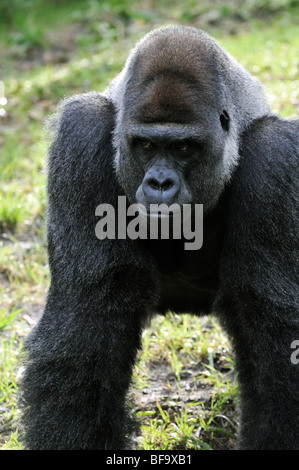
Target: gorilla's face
column 167, row 162
column 175, row 136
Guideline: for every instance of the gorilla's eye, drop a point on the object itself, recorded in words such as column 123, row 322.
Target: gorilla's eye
column 182, row 146
column 224, row 120
column 146, row 144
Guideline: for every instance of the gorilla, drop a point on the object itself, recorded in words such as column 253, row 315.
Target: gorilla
column 184, row 124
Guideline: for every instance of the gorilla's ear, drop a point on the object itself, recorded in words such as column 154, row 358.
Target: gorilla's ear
column 224, row 120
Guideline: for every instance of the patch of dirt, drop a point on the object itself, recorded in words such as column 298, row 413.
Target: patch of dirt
column 173, row 394
column 32, row 313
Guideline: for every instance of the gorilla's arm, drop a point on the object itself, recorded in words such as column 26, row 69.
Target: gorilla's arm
column 79, row 365
column 260, row 282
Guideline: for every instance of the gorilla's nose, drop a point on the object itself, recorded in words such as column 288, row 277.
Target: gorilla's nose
column 160, row 186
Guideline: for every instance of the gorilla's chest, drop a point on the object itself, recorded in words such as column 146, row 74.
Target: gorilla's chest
column 188, row 279
column 182, row 294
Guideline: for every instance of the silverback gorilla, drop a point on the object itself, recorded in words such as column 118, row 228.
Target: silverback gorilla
column 182, row 123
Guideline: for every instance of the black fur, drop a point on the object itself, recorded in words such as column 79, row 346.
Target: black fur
column 258, row 299
column 81, row 353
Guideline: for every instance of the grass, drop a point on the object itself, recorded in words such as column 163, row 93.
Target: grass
column 187, row 362
column 185, row 391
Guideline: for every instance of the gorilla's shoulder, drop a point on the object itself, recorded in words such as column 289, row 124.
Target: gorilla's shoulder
column 81, row 122
column 269, row 150
column 266, row 183
column 84, row 104
column 273, row 137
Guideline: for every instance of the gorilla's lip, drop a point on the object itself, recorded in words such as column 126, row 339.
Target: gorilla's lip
column 152, row 214
column 155, row 214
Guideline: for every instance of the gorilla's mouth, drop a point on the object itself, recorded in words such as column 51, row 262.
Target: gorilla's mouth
column 155, row 211
column 175, row 212
column 176, row 221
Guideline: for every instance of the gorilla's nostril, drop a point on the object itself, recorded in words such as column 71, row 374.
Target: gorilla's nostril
column 166, row 185
column 160, row 185
column 154, row 184
column 159, row 188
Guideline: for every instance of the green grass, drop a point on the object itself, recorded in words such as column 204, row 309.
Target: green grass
column 196, row 359
column 61, row 48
